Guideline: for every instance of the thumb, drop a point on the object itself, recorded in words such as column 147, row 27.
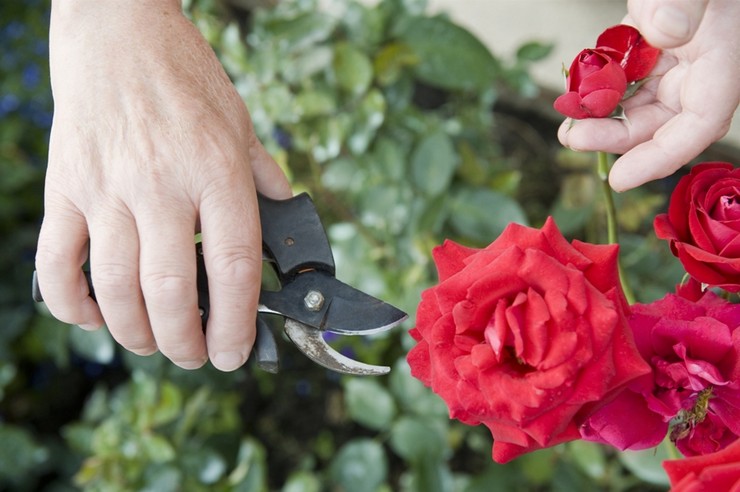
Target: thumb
column 667, row 23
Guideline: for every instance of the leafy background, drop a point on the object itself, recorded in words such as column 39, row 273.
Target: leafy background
column 406, row 130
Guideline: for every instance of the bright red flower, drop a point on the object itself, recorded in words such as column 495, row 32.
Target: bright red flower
column 598, row 78
column 527, row 336
column 694, row 390
column 719, row 471
column 635, row 55
column 596, row 84
column 703, row 224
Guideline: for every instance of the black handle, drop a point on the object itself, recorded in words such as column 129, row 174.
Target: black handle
column 292, row 234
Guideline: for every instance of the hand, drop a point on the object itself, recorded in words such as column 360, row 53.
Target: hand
column 687, row 103
column 150, row 144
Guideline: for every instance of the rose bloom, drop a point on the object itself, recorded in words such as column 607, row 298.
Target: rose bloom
column 719, row 471
column 694, row 390
column 628, row 48
column 703, row 224
column 527, row 336
column 597, row 79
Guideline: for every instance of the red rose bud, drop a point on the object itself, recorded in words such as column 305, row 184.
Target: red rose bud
column 717, row 471
column 703, row 224
column 630, row 50
column 596, row 84
column 528, row 336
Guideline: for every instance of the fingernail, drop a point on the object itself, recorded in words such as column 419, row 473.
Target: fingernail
column 672, row 22
column 192, row 364
column 88, row 327
column 229, row 361
column 146, row 351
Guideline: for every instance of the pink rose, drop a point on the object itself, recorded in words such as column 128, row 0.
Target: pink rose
column 694, row 390
column 527, row 336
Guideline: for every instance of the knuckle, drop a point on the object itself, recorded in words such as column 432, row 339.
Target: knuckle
column 115, row 279
column 235, row 267
column 50, row 258
column 166, row 288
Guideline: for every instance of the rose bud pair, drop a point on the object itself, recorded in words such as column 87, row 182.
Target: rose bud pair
column 598, row 78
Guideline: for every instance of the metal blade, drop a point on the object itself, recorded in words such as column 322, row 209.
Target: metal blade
column 321, row 301
column 310, row 341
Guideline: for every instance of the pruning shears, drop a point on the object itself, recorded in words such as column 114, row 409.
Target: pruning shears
column 311, row 299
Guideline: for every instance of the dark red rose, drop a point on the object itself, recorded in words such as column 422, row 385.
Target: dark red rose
column 703, row 224
column 630, row 50
column 527, row 336
column 694, row 389
column 715, row 472
column 596, row 83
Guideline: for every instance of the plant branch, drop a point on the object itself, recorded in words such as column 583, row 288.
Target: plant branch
column 611, row 219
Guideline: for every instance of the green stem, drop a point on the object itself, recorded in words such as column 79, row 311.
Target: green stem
column 611, row 219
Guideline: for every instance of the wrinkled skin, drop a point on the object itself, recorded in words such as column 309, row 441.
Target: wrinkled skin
column 150, row 144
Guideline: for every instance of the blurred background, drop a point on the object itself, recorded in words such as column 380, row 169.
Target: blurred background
column 408, row 122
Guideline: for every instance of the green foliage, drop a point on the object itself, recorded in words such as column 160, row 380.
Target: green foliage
column 388, row 117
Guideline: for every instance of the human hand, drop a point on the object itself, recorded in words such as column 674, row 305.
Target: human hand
column 150, row 144
column 688, row 101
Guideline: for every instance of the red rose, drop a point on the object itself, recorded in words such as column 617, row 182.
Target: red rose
column 527, row 336
column 598, row 78
column 596, row 84
column 715, row 472
column 703, row 224
column 694, row 389
column 630, row 50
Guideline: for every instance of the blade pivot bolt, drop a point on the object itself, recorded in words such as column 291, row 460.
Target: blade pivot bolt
column 314, row 300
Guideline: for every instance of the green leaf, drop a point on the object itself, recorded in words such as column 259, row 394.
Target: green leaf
column 302, row 481
column 391, row 60
column 412, row 394
column 307, row 63
column 369, row 115
column 303, row 30
column 589, row 457
column 157, row 449
column 388, row 159
column 359, row 466
column 647, row 464
column 352, row 69
column 482, row 215
column 312, row 103
column 250, row 473
column 433, row 163
column 169, row 405
column 431, row 475
column 369, row 403
column 450, row 57
column 19, row 453
column 415, row 440
column 533, row 51
column 97, row 346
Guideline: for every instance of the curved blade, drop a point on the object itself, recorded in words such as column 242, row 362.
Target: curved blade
column 343, row 309
column 312, row 344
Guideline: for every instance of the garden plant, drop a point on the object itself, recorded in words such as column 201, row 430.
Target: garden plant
column 407, row 131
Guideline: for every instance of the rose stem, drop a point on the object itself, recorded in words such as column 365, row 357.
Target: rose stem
column 611, row 219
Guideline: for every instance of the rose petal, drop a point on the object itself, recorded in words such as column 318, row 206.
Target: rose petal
column 625, row 423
